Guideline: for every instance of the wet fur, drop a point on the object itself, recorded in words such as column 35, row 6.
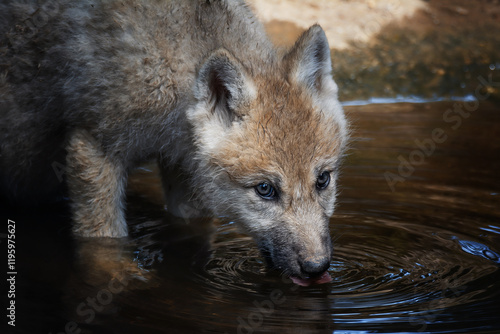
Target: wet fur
column 103, row 86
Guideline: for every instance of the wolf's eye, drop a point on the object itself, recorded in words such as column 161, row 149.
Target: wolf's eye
column 323, row 181
column 265, row 190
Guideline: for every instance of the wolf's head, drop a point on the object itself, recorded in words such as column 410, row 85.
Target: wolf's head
column 269, row 146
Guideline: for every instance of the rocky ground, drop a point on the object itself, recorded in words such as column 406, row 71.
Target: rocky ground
column 434, row 48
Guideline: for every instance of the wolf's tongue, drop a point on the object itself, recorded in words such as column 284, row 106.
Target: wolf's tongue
column 325, row 278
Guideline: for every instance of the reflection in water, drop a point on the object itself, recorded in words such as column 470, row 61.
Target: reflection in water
column 424, row 258
column 476, row 248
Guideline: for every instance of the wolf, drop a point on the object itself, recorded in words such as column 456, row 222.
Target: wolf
column 91, row 89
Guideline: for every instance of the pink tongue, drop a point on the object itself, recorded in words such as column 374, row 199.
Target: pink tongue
column 325, row 278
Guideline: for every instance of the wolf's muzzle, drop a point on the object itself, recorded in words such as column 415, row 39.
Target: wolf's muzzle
column 315, row 265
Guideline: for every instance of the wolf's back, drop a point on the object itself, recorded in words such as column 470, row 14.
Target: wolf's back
column 111, row 67
column 31, row 127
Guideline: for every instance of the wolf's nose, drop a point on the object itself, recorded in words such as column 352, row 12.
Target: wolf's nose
column 315, row 265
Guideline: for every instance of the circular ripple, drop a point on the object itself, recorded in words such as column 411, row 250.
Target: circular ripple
column 403, row 273
column 400, row 273
column 235, row 262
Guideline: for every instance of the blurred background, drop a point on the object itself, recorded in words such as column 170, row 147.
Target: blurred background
column 396, row 48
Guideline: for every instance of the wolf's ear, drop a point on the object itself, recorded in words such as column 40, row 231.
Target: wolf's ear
column 309, row 62
column 223, row 86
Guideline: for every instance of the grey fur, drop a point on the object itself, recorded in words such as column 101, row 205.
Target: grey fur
column 98, row 87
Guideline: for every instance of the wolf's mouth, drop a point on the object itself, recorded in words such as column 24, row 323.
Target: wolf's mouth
column 297, row 278
column 324, row 278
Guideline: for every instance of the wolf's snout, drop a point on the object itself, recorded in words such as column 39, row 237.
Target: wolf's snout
column 315, row 265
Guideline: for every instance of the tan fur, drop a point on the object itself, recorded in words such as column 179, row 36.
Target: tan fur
column 97, row 184
column 266, row 147
column 100, row 86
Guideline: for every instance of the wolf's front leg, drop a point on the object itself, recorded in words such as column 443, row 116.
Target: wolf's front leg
column 96, row 183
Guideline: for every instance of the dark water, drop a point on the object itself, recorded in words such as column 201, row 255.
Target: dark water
column 422, row 256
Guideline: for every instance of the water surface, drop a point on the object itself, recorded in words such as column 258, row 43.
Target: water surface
column 419, row 253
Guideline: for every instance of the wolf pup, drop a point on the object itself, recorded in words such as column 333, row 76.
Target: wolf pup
column 100, row 86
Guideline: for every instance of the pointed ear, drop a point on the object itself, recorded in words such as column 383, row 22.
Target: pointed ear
column 223, row 86
column 310, row 61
